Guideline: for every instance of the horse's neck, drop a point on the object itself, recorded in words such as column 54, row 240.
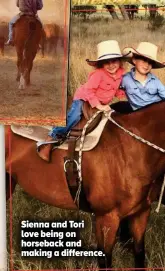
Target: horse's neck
column 146, row 120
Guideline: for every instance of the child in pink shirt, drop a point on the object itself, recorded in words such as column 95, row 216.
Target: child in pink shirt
column 100, row 89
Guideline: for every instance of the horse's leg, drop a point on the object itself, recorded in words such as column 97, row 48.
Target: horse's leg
column 2, row 50
column 106, row 229
column 138, row 224
column 28, row 76
column 51, row 45
column 43, row 50
column 26, row 67
column 29, row 67
column 13, row 184
column 55, row 44
column 28, row 71
column 42, row 43
column 19, row 64
column 124, row 232
column 25, row 75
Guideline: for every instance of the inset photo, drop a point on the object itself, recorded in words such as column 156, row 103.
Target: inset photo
column 34, row 42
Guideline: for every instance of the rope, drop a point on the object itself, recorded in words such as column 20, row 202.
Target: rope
column 161, row 196
column 108, row 116
column 80, row 154
column 133, row 135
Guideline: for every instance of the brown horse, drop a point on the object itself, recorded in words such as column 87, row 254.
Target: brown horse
column 117, row 174
column 27, row 35
column 3, row 36
column 52, row 33
column 2, row 45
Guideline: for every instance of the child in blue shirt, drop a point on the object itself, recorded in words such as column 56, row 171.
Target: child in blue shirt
column 141, row 86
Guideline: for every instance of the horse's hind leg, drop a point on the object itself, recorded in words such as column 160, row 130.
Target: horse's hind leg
column 42, row 44
column 13, row 184
column 138, row 224
column 19, row 66
column 2, row 50
column 106, row 229
column 29, row 68
column 124, row 231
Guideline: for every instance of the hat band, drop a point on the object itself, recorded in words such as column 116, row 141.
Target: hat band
column 109, row 55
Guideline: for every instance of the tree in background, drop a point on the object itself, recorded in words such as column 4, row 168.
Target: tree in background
column 131, row 10
column 111, row 9
column 127, row 11
column 83, row 11
column 153, row 9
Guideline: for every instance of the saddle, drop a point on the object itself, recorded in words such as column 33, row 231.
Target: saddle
column 70, row 161
column 30, row 16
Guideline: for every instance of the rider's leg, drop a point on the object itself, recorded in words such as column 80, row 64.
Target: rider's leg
column 73, row 117
column 11, row 23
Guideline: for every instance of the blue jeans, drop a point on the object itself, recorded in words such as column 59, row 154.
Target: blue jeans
column 13, row 21
column 73, row 117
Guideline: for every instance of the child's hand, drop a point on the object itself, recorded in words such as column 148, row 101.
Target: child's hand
column 103, row 107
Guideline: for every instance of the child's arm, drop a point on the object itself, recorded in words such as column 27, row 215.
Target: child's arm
column 161, row 90
column 120, row 93
column 88, row 91
column 39, row 4
column 91, row 87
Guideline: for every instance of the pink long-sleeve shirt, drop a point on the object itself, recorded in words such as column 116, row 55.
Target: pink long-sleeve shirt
column 101, row 87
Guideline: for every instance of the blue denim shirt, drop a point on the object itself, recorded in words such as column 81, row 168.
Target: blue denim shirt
column 138, row 95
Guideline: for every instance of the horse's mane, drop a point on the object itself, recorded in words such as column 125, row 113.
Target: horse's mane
column 154, row 105
column 152, row 110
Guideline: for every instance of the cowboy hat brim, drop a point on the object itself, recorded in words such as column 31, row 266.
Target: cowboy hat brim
column 130, row 51
column 107, row 57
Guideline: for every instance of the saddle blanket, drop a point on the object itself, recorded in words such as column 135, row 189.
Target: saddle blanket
column 39, row 133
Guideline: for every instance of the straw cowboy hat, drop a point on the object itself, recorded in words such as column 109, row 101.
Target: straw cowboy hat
column 147, row 50
column 108, row 49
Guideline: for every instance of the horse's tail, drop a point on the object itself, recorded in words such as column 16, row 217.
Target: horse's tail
column 30, row 39
column 32, row 26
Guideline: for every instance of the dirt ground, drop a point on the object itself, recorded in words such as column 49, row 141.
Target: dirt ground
column 44, row 101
